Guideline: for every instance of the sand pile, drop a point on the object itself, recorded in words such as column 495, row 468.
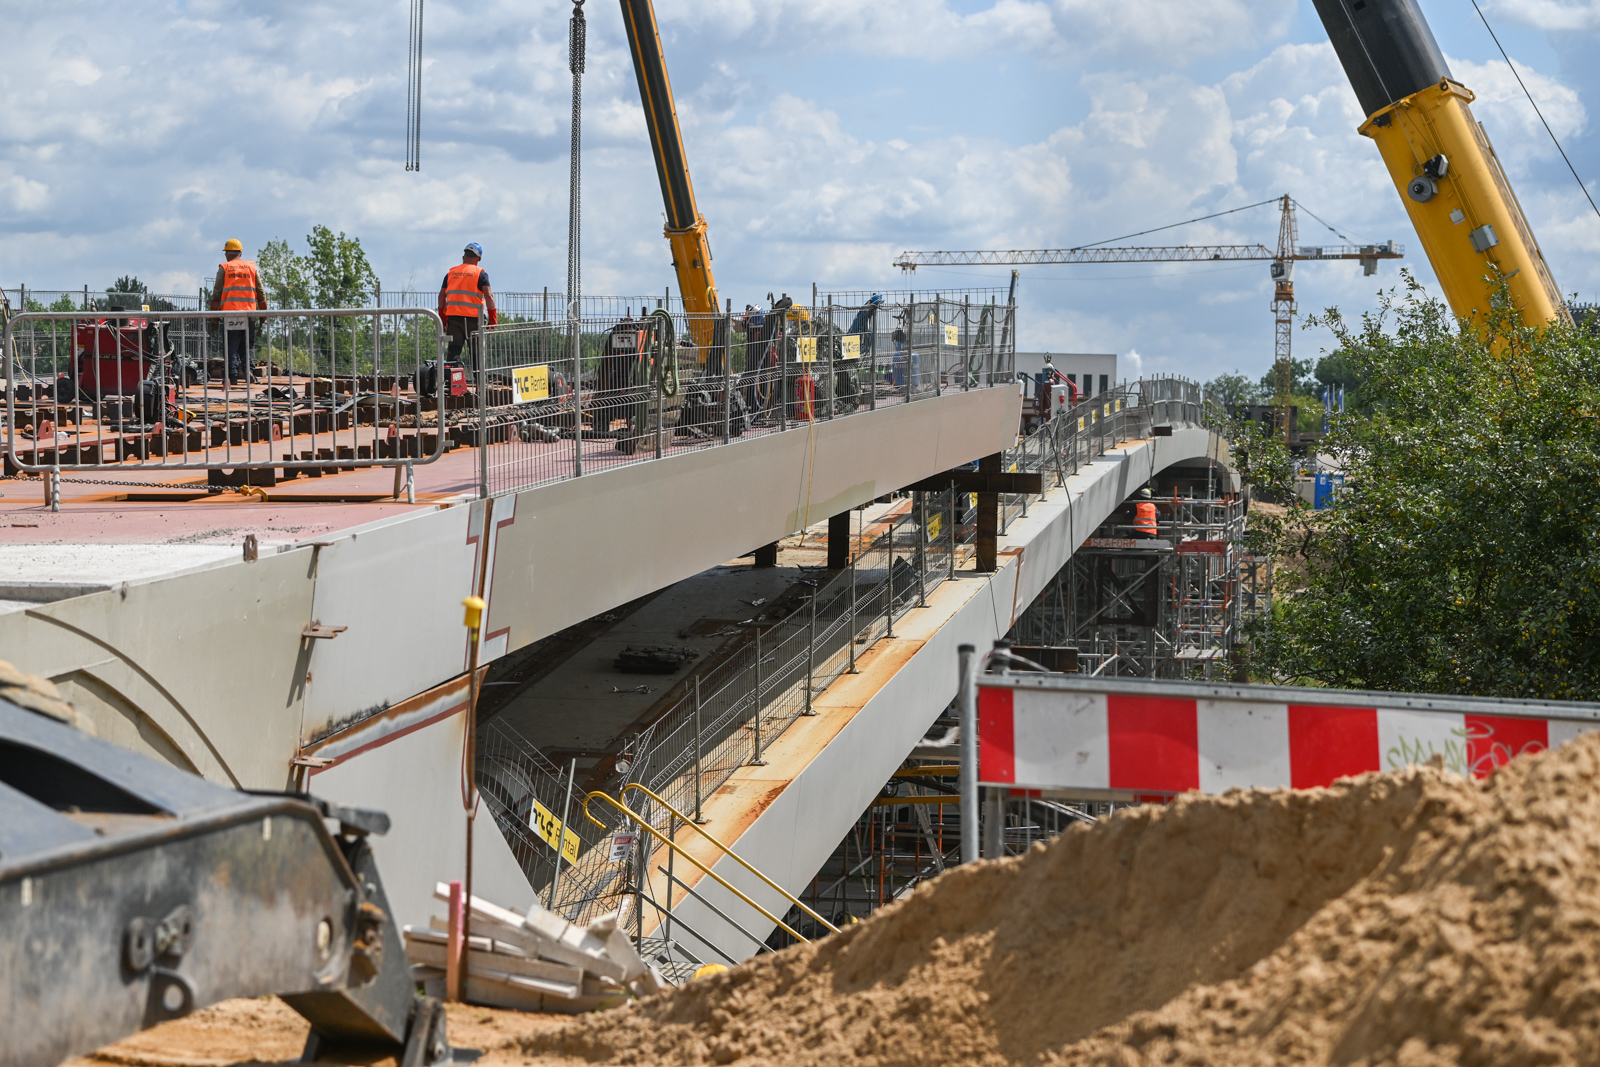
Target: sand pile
column 1413, row 918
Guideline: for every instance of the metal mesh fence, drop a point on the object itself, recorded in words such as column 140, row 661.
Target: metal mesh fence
column 126, row 387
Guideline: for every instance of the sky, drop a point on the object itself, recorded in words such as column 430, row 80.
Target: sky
column 823, row 137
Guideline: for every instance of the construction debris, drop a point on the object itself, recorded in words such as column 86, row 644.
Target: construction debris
column 534, row 962
column 652, row 659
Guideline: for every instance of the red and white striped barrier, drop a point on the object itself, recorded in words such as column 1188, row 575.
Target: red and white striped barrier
column 1152, row 739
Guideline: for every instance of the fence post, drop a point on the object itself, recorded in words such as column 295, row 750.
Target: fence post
column 811, row 651
column 938, row 345
column 952, row 533
column 888, row 583
column 479, row 343
column 852, row 634
column 913, row 367
column 561, row 838
column 872, row 374
column 832, row 369
column 969, row 753
column 672, row 835
column 575, row 341
column 697, row 816
column 727, row 373
column 966, row 342
column 922, row 549
column 758, row 761
column 658, row 387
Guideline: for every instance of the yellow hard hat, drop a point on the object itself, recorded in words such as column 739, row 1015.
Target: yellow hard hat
column 233, row 245
column 708, row 969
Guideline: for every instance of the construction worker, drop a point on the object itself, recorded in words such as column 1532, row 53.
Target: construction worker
column 463, row 298
column 237, row 287
column 1144, row 514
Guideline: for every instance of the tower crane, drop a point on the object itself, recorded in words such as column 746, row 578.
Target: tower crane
column 1283, row 258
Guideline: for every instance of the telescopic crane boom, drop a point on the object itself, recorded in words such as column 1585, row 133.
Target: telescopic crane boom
column 686, row 227
column 1450, row 180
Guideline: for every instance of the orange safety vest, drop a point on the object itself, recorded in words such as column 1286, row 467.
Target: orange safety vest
column 1144, row 517
column 461, row 293
column 240, row 283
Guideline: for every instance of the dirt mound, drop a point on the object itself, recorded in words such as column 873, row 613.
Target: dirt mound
column 1413, row 918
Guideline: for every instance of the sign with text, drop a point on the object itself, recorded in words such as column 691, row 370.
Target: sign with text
column 850, row 347
column 952, row 336
column 531, row 383
column 621, row 846
column 547, row 826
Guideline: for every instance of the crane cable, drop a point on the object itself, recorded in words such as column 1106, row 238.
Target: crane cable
column 1536, row 110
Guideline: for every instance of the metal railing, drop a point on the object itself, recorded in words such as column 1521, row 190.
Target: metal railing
column 123, row 390
column 539, row 400
column 728, row 713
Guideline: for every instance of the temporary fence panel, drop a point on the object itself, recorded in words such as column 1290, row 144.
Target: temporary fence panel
column 1149, row 740
column 122, row 389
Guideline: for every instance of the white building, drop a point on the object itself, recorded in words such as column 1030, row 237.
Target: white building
column 1092, row 372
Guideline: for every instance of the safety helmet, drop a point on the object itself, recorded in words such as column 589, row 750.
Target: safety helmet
column 473, row 249
column 233, row 244
column 1144, row 494
column 707, row 970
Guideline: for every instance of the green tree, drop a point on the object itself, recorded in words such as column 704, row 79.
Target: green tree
column 1233, row 389
column 128, row 283
column 1463, row 555
column 284, row 275
column 340, row 274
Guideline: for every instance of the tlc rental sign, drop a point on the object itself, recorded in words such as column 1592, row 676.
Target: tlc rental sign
column 1147, row 740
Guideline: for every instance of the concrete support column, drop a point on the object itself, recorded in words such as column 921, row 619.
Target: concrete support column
column 839, row 541
column 767, row 555
column 988, row 533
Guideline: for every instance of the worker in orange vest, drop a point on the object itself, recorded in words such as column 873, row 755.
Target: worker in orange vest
column 463, row 299
column 237, row 287
column 1144, row 514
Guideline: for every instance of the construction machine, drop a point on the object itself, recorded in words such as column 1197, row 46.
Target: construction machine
column 686, row 227
column 1449, row 178
column 132, row 892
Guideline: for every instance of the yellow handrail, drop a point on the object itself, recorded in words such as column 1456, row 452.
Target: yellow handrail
column 730, row 853
column 653, row 832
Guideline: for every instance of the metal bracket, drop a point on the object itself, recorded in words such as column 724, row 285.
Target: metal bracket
column 322, row 631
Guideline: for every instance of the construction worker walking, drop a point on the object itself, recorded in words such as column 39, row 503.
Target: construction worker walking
column 1144, row 514
column 463, row 299
column 237, row 287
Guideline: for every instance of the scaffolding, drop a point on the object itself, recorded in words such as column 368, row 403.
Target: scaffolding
column 1173, row 606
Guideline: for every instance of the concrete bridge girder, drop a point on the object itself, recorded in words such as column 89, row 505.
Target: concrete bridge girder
column 821, row 777
column 213, row 664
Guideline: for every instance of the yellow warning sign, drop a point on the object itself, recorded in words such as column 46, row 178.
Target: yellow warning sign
column 549, row 827
column 951, row 336
column 850, row 347
column 531, row 383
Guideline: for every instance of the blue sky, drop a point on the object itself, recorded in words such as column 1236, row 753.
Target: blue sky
column 823, row 136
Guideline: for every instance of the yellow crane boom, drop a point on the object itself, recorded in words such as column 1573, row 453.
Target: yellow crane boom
column 1450, row 180
column 686, row 227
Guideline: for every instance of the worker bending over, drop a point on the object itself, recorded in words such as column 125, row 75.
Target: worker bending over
column 237, row 287
column 1144, row 514
column 463, row 298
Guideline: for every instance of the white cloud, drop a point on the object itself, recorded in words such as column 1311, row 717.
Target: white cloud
column 1553, row 15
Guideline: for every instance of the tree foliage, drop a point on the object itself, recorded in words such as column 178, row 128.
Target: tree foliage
column 1463, row 554
column 334, row 273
